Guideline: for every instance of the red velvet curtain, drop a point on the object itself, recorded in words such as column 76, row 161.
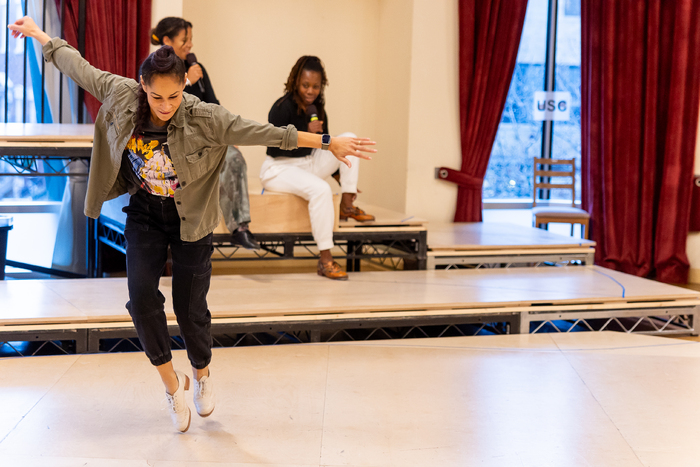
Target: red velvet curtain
column 640, row 96
column 489, row 36
column 116, row 36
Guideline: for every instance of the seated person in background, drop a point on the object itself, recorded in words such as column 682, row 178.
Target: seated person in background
column 233, row 179
column 303, row 171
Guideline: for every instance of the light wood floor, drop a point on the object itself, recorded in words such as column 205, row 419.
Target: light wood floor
column 102, row 300
column 585, row 399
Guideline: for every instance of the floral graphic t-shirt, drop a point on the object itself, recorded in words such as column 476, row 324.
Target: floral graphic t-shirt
column 149, row 158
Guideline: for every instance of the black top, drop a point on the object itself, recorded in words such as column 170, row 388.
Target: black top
column 284, row 112
column 208, row 95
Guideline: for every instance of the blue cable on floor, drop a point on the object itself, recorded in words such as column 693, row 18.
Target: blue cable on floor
column 615, row 280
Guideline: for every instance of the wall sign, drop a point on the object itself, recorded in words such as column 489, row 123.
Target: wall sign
column 551, row 106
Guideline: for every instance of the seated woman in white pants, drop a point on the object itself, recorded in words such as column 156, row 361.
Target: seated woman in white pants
column 303, row 171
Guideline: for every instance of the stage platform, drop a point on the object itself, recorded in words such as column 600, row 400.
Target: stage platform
column 525, row 300
column 398, row 241
column 485, row 244
column 393, row 240
column 565, row 400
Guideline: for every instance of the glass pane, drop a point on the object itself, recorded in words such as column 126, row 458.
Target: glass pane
column 21, row 105
column 519, row 137
column 15, row 79
column 566, row 135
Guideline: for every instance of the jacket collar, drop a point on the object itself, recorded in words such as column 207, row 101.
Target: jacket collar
column 178, row 119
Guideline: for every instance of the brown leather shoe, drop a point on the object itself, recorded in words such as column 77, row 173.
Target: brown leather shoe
column 356, row 213
column 331, row 271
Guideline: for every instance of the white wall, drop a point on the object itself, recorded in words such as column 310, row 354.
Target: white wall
column 392, row 69
column 434, row 134
column 249, row 48
column 164, row 8
column 384, row 179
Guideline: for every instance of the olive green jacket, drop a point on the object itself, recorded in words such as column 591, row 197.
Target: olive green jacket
column 198, row 135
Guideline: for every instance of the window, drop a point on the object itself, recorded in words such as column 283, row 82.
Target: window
column 21, row 81
column 520, row 136
column 566, row 135
column 572, row 8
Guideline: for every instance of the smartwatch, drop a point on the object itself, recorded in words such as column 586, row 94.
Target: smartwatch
column 325, row 142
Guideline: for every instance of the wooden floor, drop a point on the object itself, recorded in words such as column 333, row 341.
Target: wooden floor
column 466, row 236
column 480, row 243
column 584, row 399
column 275, row 295
column 383, row 217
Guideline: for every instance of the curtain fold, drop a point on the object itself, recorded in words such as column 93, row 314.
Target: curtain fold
column 640, row 91
column 116, row 36
column 489, row 37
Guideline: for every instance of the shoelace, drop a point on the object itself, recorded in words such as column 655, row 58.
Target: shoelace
column 198, row 388
column 168, row 403
column 331, row 267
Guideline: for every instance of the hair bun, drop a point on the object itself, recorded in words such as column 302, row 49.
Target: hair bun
column 163, row 58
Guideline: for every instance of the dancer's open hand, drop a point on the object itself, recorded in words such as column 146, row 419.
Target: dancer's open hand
column 26, row 27
column 343, row 146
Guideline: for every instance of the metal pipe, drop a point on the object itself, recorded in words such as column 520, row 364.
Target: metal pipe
column 81, row 49
column 43, row 63
column 549, row 75
column 7, row 61
column 24, row 76
column 61, row 18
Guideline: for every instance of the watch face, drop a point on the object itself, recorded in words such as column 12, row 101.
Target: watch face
column 326, row 139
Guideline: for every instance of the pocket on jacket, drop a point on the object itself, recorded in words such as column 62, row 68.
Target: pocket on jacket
column 112, row 128
column 198, row 162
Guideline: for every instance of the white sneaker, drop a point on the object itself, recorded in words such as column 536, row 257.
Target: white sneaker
column 179, row 411
column 204, row 396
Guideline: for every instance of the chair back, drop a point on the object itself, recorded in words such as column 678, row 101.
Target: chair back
column 543, row 177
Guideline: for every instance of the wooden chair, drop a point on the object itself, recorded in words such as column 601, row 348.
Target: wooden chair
column 543, row 215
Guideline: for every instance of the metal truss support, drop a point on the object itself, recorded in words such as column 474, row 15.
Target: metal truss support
column 646, row 318
column 401, row 246
column 47, row 337
column 112, row 234
column 652, row 320
column 302, row 331
column 236, row 333
column 507, row 261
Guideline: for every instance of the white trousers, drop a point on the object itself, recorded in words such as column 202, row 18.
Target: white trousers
column 305, row 177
